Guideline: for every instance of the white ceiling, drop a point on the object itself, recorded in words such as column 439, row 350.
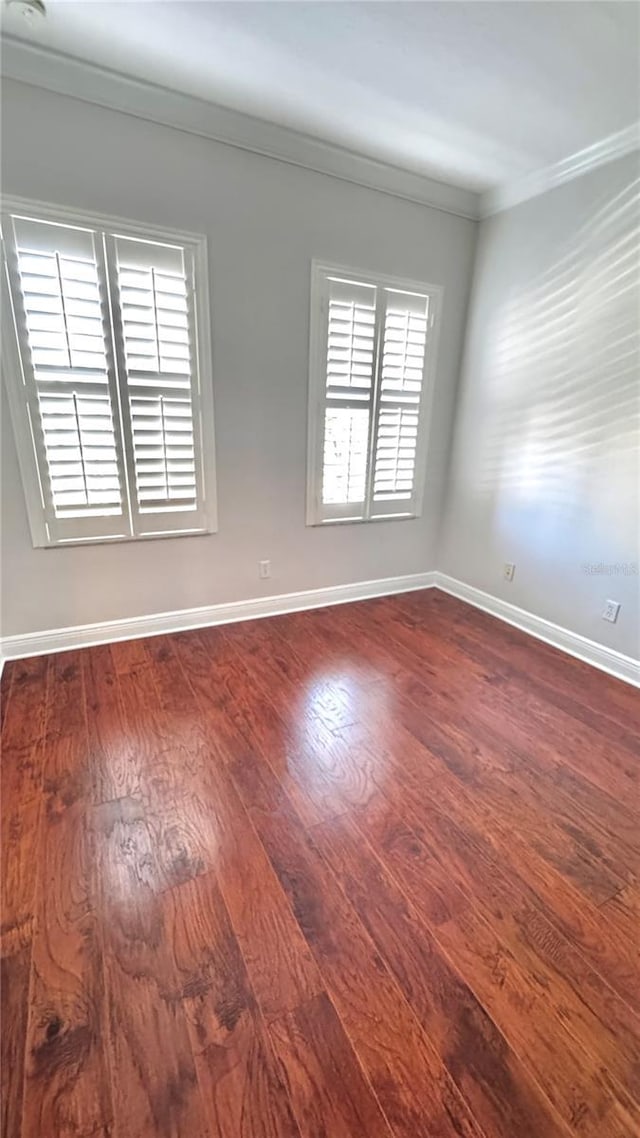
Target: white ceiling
column 475, row 93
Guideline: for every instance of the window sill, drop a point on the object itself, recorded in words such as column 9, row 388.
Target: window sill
column 120, row 539
column 361, row 521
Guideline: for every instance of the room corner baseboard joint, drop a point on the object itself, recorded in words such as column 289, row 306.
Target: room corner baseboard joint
column 598, row 655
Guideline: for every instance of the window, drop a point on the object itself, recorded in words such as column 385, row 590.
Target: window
column 372, row 352
column 108, row 377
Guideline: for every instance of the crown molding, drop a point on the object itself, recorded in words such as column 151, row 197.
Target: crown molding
column 67, row 75
column 539, row 181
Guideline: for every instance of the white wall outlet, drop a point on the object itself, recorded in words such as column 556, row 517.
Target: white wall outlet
column 610, row 611
column 509, row 570
column 264, row 570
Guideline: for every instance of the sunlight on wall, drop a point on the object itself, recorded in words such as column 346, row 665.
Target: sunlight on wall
column 561, row 367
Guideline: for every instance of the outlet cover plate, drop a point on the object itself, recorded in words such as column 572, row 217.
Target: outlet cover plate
column 610, row 611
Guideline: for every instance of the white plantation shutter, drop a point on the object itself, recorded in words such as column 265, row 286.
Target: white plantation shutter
column 402, row 368
column 61, row 312
column 370, row 349
column 348, row 393
column 155, row 312
column 106, row 396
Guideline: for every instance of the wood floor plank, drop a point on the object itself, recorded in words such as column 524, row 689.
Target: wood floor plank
column 600, row 835
column 370, row 870
column 572, row 1079
column 129, row 656
column 114, row 764
column 67, row 1076
column 517, row 712
column 67, row 773
column 24, row 704
column 423, row 1099
column 499, row 1087
column 5, row 689
column 487, row 739
column 581, row 922
column 310, row 657
column 526, row 685
column 241, row 1082
column 154, row 1081
column 183, row 795
column 622, row 912
column 22, row 758
column 607, row 820
column 286, row 728
column 460, row 632
column 570, row 907
column 279, row 963
column 183, row 825
column 439, row 854
column 240, row 716
column 15, row 970
column 145, row 724
column 565, row 680
column 321, row 768
column 211, row 671
column 166, row 751
column 67, row 1080
column 326, row 1085
column 307, row 638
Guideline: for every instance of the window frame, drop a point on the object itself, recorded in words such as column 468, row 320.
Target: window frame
column 29, row 457
column 316, row 512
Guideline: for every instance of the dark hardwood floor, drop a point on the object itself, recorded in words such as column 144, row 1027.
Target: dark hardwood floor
column 364, row 872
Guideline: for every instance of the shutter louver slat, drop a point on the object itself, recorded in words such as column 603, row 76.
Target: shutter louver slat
column 62, row 305
column 164, row 450
column 402, row 370
column 158, row 344
column 349, row 386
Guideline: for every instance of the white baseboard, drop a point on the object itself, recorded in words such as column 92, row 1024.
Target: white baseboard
column 105, row 632
column 606, row 659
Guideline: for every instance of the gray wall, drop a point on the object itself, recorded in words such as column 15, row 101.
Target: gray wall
column 544, row 470
column 265, row 221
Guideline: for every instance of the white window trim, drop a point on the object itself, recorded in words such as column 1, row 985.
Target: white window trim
column 11, row 363
column 317, row 388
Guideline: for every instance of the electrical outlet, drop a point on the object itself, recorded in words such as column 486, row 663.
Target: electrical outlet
column 264, row 570
column 509, row 570
column 610, row 611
